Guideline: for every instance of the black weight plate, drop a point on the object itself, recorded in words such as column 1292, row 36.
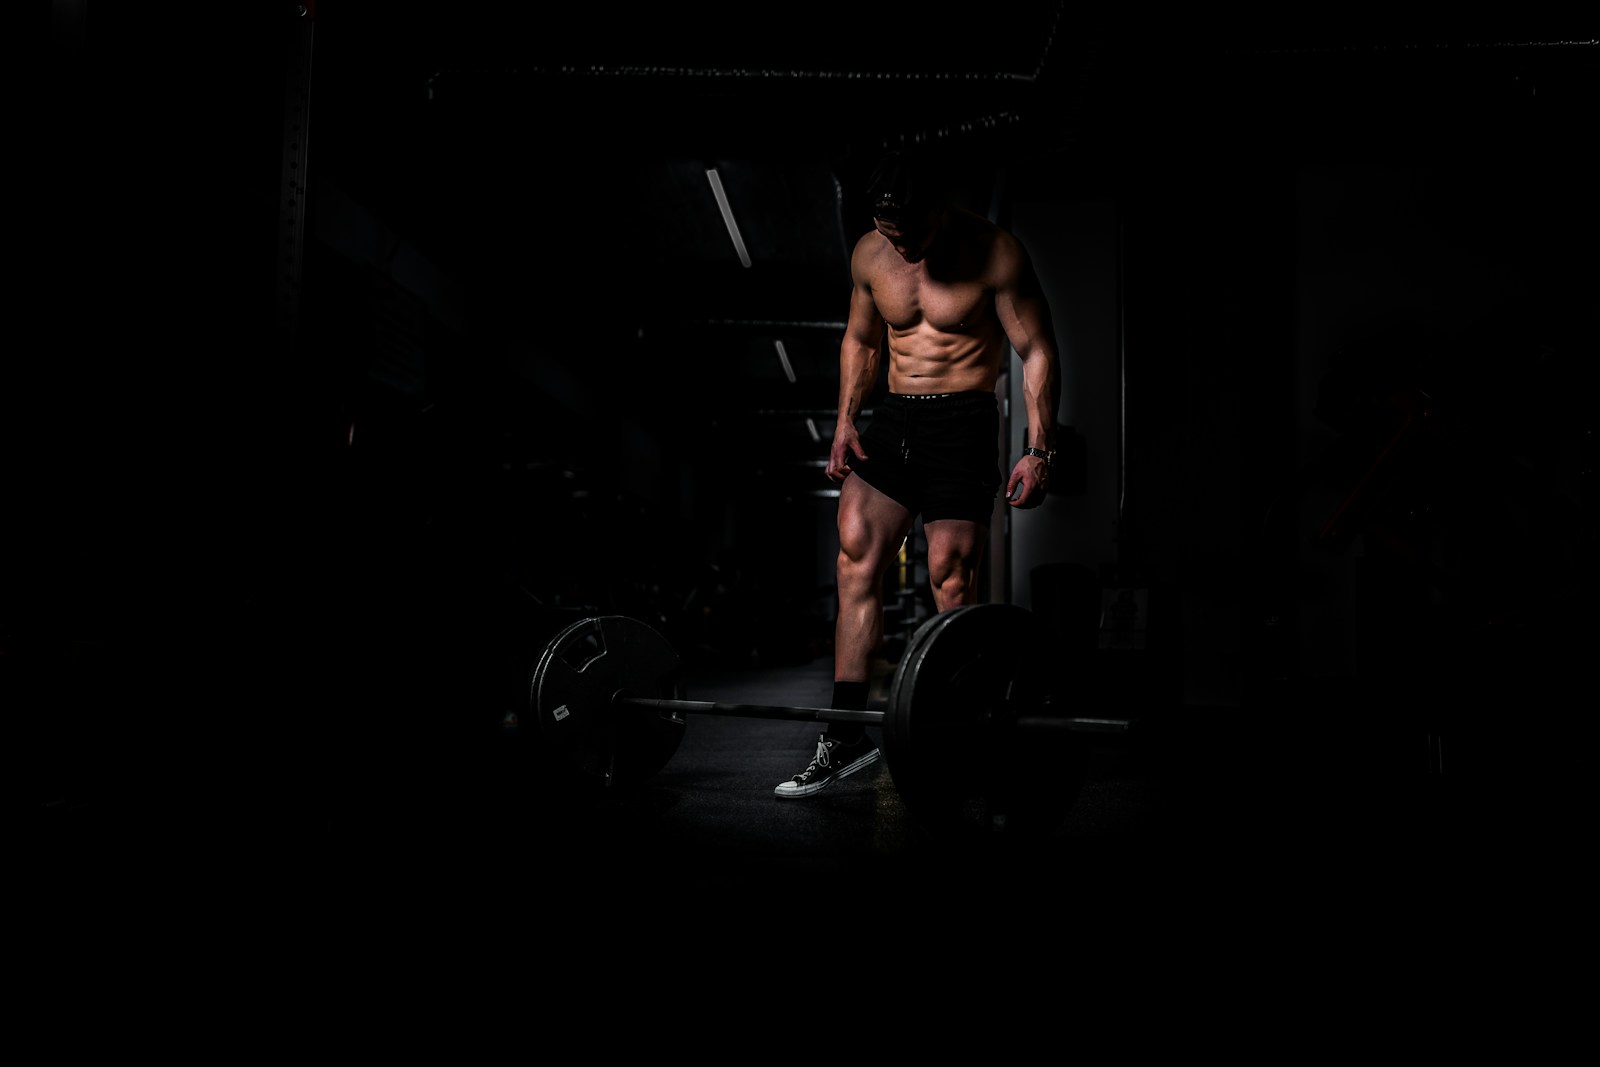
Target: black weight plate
column 895, row 734
column 570, row 698
column 919, row 637
column 913, row 746
column 961, row 766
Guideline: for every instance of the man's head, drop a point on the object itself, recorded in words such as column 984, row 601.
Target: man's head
column 904, row 204
column 894, row 190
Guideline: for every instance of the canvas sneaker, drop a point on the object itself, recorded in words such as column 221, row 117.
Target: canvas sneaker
column 833, row 761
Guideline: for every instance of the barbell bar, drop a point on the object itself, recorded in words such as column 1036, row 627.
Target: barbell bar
column 674, row 706
column 973, row 738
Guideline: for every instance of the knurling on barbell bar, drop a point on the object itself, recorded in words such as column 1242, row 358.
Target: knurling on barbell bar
column 974, row 741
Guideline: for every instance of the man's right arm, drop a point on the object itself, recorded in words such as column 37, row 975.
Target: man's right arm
column 859, row 353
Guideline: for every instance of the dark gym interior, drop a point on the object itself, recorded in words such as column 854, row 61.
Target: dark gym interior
column 379, row 343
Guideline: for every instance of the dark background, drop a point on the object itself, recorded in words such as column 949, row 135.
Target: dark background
column 373, row 346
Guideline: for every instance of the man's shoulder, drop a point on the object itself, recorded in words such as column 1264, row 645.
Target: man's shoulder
column 982, row 226
column 869, row 252
column 979, row 232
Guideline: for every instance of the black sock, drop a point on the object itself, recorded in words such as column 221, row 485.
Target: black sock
column 848, row 696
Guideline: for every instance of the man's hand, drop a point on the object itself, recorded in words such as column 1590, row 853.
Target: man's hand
column 1029, row 480
column 846, row 444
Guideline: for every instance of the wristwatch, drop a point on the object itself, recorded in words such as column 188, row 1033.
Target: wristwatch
column 1048, row 457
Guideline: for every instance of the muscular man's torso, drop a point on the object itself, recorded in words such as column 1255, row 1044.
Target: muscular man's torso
column 943, row 335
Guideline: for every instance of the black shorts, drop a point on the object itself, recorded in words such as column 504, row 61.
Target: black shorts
column 938, row 456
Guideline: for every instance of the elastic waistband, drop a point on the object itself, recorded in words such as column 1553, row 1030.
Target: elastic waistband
column 967, row 396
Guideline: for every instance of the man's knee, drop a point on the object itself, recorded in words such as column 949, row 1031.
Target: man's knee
column 953, row 570
column 859, row 568
column 953, row 588
column 871, row 530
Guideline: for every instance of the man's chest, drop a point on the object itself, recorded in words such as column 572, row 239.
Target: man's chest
column 910, row 300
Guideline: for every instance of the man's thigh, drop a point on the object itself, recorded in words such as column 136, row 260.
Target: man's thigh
column 872, row 524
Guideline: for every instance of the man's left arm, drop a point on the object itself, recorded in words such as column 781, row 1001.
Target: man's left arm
column 1025, row 315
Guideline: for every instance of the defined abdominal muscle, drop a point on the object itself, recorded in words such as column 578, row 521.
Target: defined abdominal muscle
column 943, row 368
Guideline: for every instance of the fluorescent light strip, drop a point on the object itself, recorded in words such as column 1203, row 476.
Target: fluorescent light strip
column 811, row 425
column 783, row 357
column 727, row 214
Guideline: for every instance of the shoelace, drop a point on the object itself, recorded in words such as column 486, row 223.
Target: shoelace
column 820, row 759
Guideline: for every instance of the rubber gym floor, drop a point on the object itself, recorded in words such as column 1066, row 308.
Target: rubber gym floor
column 1207, row 822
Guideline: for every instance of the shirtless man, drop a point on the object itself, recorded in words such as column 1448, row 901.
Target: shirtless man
column 945, row 291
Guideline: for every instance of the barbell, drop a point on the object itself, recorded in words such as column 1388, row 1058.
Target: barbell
column 975, row 741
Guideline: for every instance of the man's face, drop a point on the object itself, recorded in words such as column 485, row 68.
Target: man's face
column 910, row 236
